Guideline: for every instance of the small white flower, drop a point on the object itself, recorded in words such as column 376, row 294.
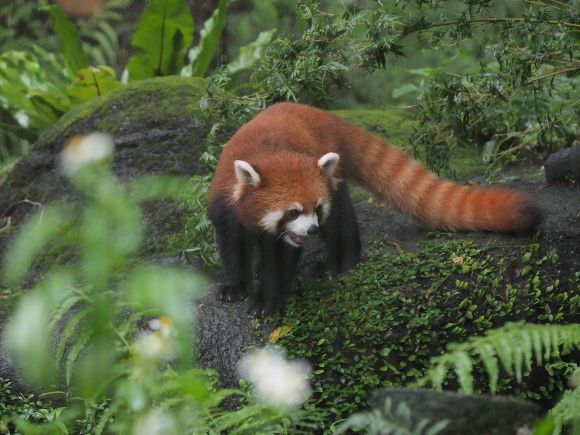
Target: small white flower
column 278, row 381
column 159, row 343
column 154, row 423
column 84, row 149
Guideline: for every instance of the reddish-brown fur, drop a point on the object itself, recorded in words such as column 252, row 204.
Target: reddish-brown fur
column 284, row 142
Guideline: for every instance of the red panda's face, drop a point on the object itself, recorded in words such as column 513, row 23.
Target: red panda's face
column 289, row 197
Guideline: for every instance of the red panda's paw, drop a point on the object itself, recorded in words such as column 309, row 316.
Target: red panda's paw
column 229, row 293
column 261, row 307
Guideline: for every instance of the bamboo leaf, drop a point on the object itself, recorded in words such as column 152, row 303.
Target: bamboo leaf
column 164, row 31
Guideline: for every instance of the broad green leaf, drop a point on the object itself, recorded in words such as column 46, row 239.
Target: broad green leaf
column 209, row 37
column 49, row 104
column 71, row 46
column 91, row 83
column 164, row 31
column 248, row 54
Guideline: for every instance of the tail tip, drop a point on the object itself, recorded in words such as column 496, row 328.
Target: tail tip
column 529, row 216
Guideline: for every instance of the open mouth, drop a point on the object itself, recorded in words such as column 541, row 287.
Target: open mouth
column 299, row 240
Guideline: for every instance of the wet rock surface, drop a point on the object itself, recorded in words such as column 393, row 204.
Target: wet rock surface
column 467, row 414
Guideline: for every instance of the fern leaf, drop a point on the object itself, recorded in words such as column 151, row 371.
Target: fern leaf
column 526, row 348
column 536, row 337
column 515, row 345
column 463, row 368
column 566, row 410
column 75, row 350
column 487, row 354
column 71, row 328
column 503, row 349
column 58, row 314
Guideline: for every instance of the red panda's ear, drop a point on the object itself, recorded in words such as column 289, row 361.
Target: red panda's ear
column 246, row 174
column 328, row 163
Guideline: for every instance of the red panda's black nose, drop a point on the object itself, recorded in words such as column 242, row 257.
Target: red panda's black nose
column 312, row 230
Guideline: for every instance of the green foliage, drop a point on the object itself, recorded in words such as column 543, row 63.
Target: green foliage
column 35, row 98
column 71, row 48
column 201, row 55
column 84, row 325
column 163, row 34
column 566, row 412
column 390, row 421
column 516, row 346
column 29, row 408
column 376, row 328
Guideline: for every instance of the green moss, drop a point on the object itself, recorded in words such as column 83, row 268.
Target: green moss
column 142, row 101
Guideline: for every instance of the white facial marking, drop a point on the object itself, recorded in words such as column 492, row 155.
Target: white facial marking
column 301, row 224
column 271, row 219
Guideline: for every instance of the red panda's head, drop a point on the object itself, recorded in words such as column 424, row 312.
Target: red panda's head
column 286, row 194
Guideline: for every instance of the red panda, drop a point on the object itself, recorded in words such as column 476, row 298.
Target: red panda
column 281, row 179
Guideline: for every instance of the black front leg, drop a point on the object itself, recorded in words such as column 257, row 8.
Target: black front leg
column 277, row 270
column 235, row 246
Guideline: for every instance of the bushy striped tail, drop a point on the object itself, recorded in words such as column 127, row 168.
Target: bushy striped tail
column 419, row 194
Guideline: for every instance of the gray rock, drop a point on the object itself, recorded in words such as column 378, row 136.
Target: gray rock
column 468, row 414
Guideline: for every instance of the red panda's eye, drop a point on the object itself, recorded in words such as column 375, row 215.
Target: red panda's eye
column 294, row 212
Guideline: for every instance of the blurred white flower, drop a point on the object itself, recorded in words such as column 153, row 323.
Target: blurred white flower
column 84, row 149
column 278, row 381
column 154, row 423
column 159, row 343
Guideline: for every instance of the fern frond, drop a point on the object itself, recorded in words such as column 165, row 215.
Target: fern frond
column 69, row 330
column 515, row 345
column 566, row 410
column 76, row 348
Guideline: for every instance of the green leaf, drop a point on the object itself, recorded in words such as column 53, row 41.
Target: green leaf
column 209, row 37
column 92, row 82
column 33, row 236
column 164, row 31
column 405, row 89
column 19, row 72
column 49, row 104
column 71, row 46
column 28, row 338
column 248, row 54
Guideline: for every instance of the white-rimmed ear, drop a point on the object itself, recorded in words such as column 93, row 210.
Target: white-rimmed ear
column 246, row 174
column 328, row 163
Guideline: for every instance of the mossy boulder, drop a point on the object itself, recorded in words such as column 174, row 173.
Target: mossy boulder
column 157, row 126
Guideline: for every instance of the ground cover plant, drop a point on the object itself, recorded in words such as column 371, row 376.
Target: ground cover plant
column 410, row 305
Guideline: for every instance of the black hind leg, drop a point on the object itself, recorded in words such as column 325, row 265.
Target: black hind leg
column 277, row 270
column 235, row 246
column 341, row 234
